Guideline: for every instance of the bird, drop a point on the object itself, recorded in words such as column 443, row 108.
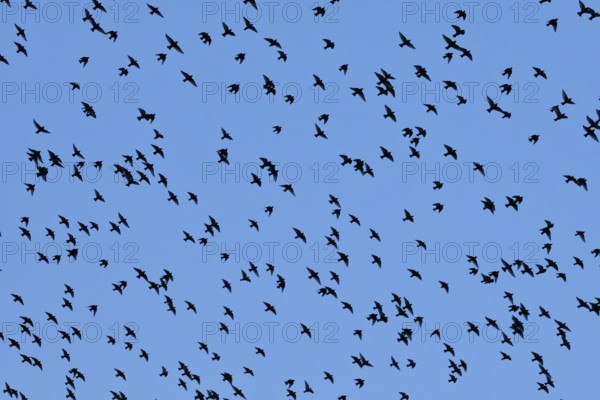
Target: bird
column 458, row 31
column 173, row 44
column 20, row 32
column 226, row 30
column 240, row 57
column 299, row 235
column 273, row 43
column 39, row 128
column 421, row 72
column 358, row 92
column 133, row 62
column 389, row 114
column 328, row 44
column 450, row 152
column 98, row 196
column 249, row 25
column 533, row 139
column 21, row 49
column 539, row 72
column 188, row 78
column 488, row 205
column 385, row 153
column 154, row 10
column 319, row 132
column 566, row 99
column 553, row 23
column 444, row 285
column 161, row 57
column 405, row 41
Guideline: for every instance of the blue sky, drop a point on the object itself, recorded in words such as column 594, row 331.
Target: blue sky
column 498, row 34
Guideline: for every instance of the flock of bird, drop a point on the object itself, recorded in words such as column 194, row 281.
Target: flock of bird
column 388, row 309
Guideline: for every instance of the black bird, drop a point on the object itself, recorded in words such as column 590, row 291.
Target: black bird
column 566, row 99
column 145, row 116
column 17, row 299
column 534, row 138
column 226, row 30
column 421, row 72
column 539, row 72
column 273, row 43
column 154, row 10
column 553, row 23
column 389, row 114
column 415, row 274
column 385, row 153
column 358, row 92
column 328, row 44
column 39, row 128
column 188, row 78
column 320, row 132
column 133, row 62
column 21, row 32
column 98, row 196
column 408, row 216
column 173, row 44
column 405, row 41
column 299, row 235
column 240, row 57
column 205, row 38
column 444, row 286
column 488, row 205
column 458, row 31
column 450, row 152
column 249, row 25
column 559, row 114
column 319, row 11
column 21, row 49
column 173, row 197
column 431, row 108
column 288, row 188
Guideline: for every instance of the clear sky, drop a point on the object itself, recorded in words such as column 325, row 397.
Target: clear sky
column 498, row 34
